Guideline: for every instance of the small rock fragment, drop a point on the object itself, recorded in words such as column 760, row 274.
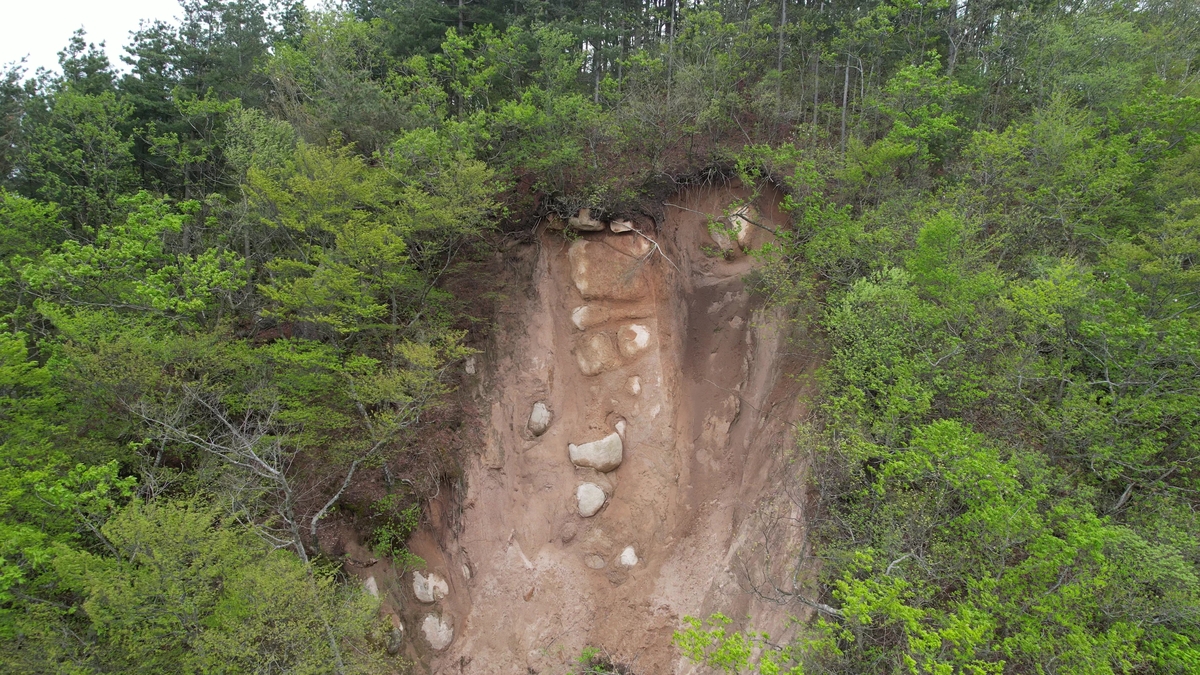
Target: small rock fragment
column 466, row 570
column 429, row 588
column 438, row 631
column 539, row 419
column 594, row 561
column 603, row 455
column 470, row 365
column 590, row 498
column 568, row 531
column 634, row 385
column 629, row 557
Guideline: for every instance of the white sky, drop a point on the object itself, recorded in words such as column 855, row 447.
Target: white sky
column 39, row 29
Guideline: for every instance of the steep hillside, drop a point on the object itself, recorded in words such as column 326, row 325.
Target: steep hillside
column 650, row 336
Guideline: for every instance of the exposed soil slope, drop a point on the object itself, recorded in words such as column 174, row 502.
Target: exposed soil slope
column 655, row 337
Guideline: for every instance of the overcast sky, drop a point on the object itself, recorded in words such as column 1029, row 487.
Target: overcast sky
column 39, row 29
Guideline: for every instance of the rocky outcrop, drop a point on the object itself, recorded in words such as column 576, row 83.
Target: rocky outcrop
column 539, row 419
column 590, row 498
column 429, row 588
column 596, row 354
column 439, row 632
column 603, row 455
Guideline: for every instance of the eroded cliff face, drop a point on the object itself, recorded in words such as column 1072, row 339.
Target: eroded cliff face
column 648, row 342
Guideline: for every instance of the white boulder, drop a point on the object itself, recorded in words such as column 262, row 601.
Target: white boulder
column 586, row 316
column 539, row 419
column 603, row 455
column 371, row 586
column 633, row 339
column 590, row 497
column 429, row 588
column 439, row 632
column 584, row 222
column 629, row 557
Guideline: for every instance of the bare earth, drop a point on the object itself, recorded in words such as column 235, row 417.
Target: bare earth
column 707, row 435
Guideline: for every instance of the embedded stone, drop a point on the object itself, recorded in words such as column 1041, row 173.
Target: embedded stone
column 603, row 455
column 602, row 272
column 633, row 339
column 586, row 316
column 740, row 223
column 594, row 561
column 629, row 557
column 619, row 226
column 395, row 636
column 596, row 354
column 590, row 498
column 371, row 586
column 429, row 588
column 584, row 222
column 539, row 419
column 634, row 385
column 439, row 632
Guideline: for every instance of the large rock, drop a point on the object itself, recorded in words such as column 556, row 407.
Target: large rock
column 586, row 316
column 429, row 588
column 603, row 455
column 741, row 225
column 584, row 222
column 633, row 338
column 602, row 272
column 371, row 586
column 590, row 497
column 539, row 419
column 439, row 632
column 596, row 354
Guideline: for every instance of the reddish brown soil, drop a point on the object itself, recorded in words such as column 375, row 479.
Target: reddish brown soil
column 708, row 444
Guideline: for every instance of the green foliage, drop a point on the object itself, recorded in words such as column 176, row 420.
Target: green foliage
column 224, row 281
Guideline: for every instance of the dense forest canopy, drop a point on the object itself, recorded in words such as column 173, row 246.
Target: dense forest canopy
column 223, row 293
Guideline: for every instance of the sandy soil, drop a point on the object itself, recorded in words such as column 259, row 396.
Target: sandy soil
column 706, row 438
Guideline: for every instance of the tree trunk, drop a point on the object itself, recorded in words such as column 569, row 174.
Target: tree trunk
column 845, row 101
column 782, row 26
